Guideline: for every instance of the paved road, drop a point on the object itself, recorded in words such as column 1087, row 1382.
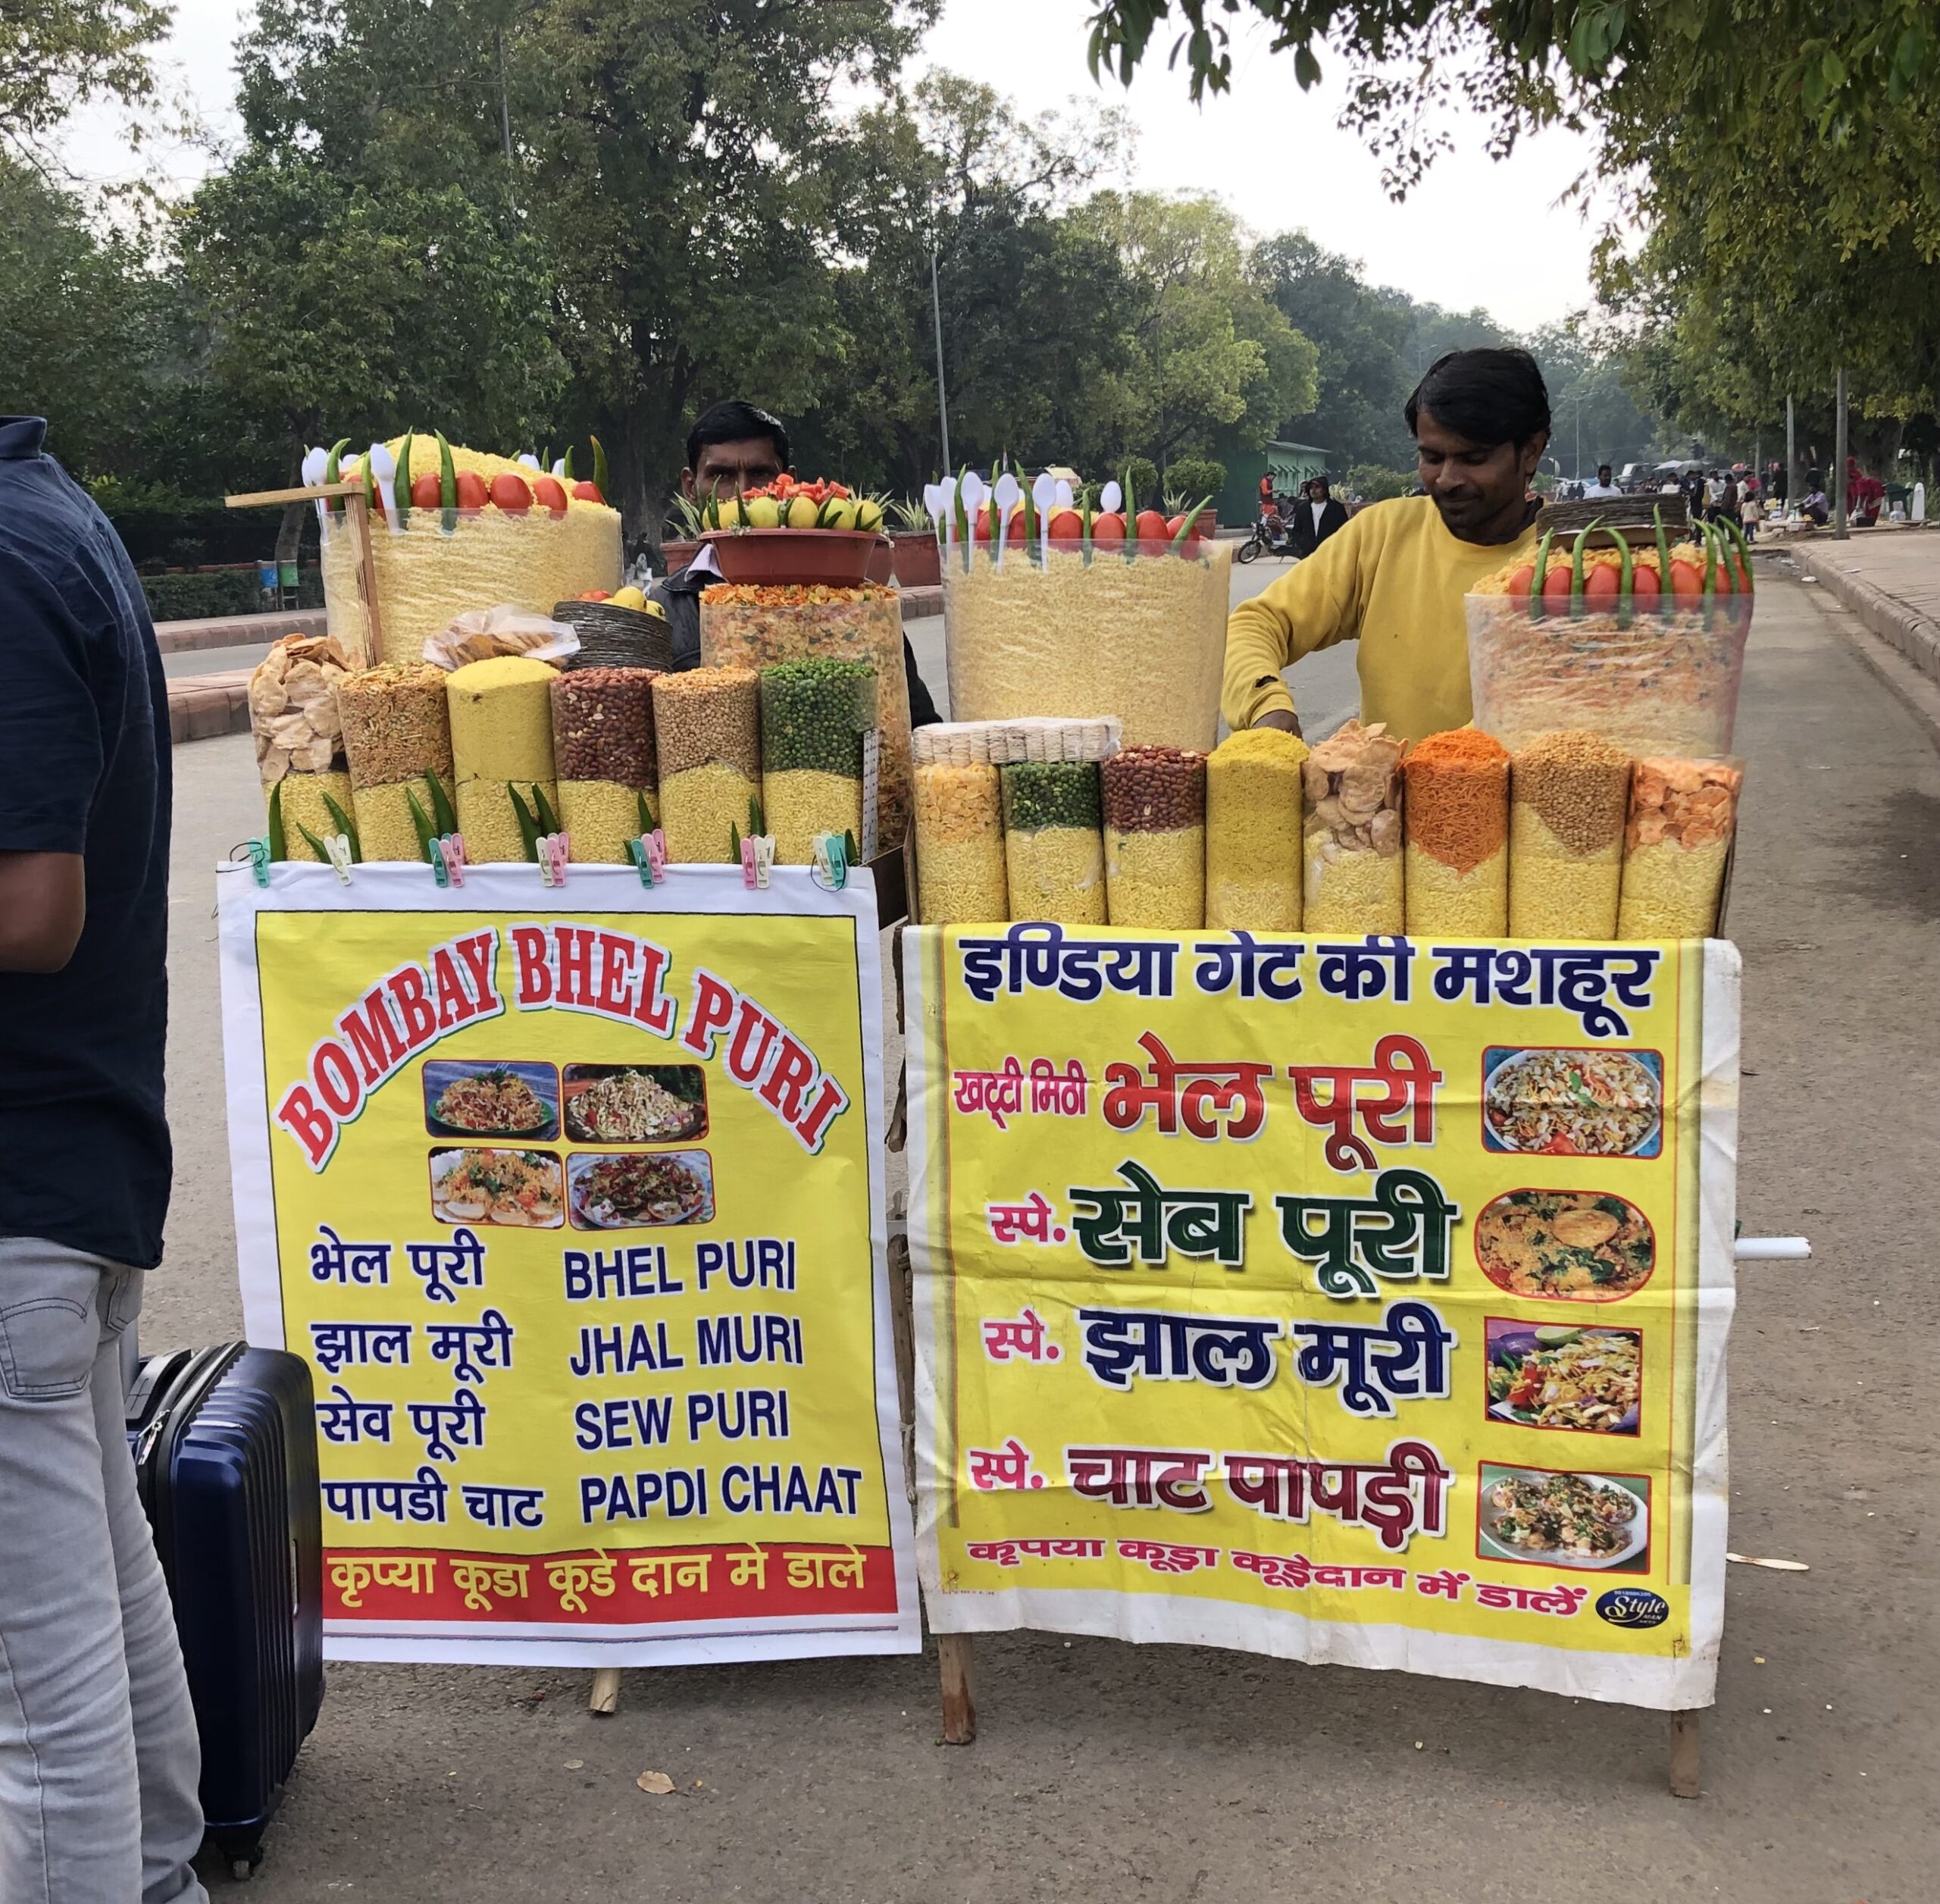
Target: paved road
column 1181, row 1773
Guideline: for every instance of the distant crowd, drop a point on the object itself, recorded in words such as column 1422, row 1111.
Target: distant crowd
column 1741, row 495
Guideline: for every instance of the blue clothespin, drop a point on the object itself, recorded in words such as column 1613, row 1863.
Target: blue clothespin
column 831, row 861
column 258, row 853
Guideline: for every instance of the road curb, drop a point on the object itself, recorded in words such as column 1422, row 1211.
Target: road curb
column 1916, row 637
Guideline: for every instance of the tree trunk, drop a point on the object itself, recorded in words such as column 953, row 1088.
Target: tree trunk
column 289, row 531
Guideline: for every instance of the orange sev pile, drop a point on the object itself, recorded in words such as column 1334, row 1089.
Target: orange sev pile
column 1457, row 819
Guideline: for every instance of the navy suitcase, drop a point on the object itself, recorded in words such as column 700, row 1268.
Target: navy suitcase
column 225, row 1446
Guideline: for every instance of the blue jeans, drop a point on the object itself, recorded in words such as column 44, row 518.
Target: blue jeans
column 99, row 1760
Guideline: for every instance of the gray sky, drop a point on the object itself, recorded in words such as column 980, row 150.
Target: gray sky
column 1273, row 152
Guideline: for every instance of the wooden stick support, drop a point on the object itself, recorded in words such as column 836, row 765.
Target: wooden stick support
column 954, row 1661
column 605, row 1696
column 1683, row 1772
column 359, row 507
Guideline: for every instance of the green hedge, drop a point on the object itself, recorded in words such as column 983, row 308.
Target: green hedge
column 219, row 591
column 1193, row 477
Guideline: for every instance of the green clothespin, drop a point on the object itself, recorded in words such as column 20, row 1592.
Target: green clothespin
column 831, row 861
column 258, row 853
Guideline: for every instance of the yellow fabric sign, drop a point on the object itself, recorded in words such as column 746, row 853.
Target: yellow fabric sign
column 573, row 1201
column 1359, row 1302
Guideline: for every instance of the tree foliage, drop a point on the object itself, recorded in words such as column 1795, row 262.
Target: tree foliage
column 56, row 54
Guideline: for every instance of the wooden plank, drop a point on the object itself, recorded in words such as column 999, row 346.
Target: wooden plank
column 359, row 508
column 263, row 498
column 892, row 886
column 955, row 1662
column 1684, row 1755
column 605, row 1698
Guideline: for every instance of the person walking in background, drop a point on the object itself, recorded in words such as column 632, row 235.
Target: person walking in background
column 99, row 1760
column 1602, row 486
column 1750, row 513
column 1693, row 494
column 1726, row 508
column 1317, row 515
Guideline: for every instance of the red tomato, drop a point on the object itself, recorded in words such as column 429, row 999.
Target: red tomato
column 1173, row 523
column 1518, row 582
column 587, row 493
column 1687, row 584
column 550, row 493
column 425, row 493
column 980, row 525
column 1066, row 525
column 1015, row 533
column 1556, row 587
column 1727, row 580
column 1150, row 527
column 472, row 493
column 1644, row 586
column 509, row 493
column 1601, row 588
column 1108, row 528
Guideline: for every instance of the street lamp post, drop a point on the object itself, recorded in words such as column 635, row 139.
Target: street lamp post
column 942, row 399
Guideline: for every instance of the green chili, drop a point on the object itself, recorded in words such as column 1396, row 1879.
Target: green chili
column 1540, row 576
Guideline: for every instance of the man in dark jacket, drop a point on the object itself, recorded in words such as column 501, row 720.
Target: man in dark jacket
column 733, row 447
column 1316, row 516
column 98, row 1757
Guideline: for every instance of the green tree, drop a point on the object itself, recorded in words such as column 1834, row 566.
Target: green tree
column 76, row 317
column 1363, row 375
column 1214, row 361
column 56, row 54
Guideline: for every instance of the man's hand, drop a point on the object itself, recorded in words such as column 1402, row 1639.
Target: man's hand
column 43, row 906
column 1285, row 718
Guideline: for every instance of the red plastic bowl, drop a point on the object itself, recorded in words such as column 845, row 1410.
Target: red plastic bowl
column 840, row 558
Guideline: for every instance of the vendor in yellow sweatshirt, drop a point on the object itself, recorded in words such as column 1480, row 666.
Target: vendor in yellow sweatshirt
column 1393, row 578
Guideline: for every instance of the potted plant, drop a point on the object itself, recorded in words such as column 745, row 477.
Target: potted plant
column 917, row 561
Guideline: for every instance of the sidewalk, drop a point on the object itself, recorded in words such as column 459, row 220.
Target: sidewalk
column 1890, row 579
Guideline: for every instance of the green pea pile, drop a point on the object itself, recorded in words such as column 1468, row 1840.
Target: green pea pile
column 1050, row 792
column 814, row 714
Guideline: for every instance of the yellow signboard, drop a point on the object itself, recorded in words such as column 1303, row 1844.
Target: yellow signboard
column 1361, row 1302
column 573, row 1201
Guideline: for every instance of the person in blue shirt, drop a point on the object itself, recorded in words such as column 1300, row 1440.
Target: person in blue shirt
column 99, row 1762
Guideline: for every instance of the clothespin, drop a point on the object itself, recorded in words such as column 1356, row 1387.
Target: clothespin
column 257, row 854
column 831, row 861
column 757, row 860
column 648, row 854
column 450, row 850
column 553, row 851
column 337, row 845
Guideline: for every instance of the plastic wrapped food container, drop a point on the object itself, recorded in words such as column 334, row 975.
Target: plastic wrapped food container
column 960, row 878
column 1140, row 634
column 298, row 728
column 1683, row 814
column 707, row 731
column 1253, row 832
column 1351, row 839
column 1569, row 795
column 754, row 625
column 603, row 747
column 815, row 716
column 1457, row 829
column 396, row 730
column 1659, row 682
column 501, row 738
column 426, row 573
column 1054, row 857
column 1154, row 805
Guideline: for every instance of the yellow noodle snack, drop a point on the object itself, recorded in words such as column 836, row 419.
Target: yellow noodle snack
column 1253, row 830
column 959, row 845
column 700, row 808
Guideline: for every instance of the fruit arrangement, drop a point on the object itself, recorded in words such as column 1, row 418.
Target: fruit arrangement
column 1018, row 521
column 1712, row 572
column 786, row 503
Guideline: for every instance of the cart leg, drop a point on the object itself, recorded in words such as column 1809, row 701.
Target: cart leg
column 1683, row 1775
column 606, row 1697
column 954, row 1661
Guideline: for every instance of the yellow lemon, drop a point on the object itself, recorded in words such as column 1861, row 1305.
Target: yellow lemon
column 802, row 513
column 763, row 512
column 632, row 598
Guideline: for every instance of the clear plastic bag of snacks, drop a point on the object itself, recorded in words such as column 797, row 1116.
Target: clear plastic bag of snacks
column 960, row 878
column 1054, row 856
column 397, row 733
column 1154, row 802
column 1569, row 794
column 1253, row 830
column 1351, row 838
column 815, row 716
column 707, row 731
column 603, row 745
column 1136, row 630
column 1457, row 829
column 1677, row 843
column 502, row 745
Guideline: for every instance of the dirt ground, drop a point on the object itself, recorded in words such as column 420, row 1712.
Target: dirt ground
column 1178, row 1773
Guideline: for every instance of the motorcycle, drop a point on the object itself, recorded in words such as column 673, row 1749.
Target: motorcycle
column 1266, row 540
